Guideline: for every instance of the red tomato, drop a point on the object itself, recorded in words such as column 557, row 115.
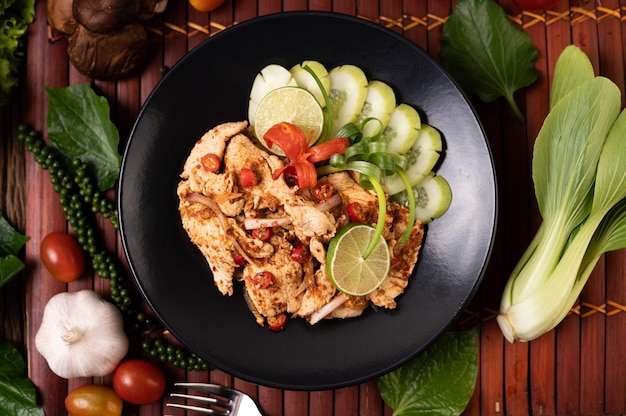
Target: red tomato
column 248, row 178
column 263, row 280
column 93, row 400
column 263, row 234
column 277, row 322
column 355, row 212
column 206, row 5
column 211, row 162
column 239, row 259
column 325, row 150
column 536, row 4
column 139, row 381
column 62, row 256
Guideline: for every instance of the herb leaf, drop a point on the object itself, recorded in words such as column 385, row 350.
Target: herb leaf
column 79, row 126
column 485, row 53
column 10, row 244
column 17, row 392
column 439, row 381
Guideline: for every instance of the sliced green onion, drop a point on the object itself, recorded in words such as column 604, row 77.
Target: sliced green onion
column 382, row 215
column 411, row 197
column 329, row 107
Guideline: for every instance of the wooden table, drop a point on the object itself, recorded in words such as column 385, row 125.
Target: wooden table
column 579, row 368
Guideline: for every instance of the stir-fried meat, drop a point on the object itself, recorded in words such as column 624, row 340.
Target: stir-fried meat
column 208, row 234
column 281, row 294
column 319, row 290
column 218, row 213
column 404, row 258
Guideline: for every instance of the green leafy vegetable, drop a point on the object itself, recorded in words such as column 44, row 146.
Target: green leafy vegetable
column 79, row 125
column 439, row 381
column 17, row 392
column 485, row 53
column 11, row 243
column 580, row 185
column 15, row 16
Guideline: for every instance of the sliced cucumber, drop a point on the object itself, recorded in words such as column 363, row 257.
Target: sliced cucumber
column 402, row 130
column 433, row 197
column 271, row 77
column 348, row 90
column 424, row 154
column 379, row 104
column 305, row 80
column 394, row 185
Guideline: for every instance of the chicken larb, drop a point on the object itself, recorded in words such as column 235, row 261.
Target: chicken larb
column 250, row 233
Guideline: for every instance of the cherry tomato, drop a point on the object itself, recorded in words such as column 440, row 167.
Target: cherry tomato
column 211, row 162
column 536, row 4
column 139, row 381
column 355, row 212
column 263, row 280
column 263, row 233
column 248, row 178
column 322, row 191
column 277, row 322
column 93, row 400
column 206, row 5
column 300, row 254
column 62, row 256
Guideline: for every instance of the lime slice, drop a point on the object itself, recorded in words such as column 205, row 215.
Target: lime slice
column 345, row 265
column 294, row 105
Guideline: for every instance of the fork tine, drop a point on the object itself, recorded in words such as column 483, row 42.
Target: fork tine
column 211, row 388
column 204, row 410
column 212, row 400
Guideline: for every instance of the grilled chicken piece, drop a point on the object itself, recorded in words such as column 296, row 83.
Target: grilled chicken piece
column 213, row 141
column 281, row 295
column 405, row 256
column 207, row 233
column 320, row 290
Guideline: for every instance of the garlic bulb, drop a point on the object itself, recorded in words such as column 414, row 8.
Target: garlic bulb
column 81, row 335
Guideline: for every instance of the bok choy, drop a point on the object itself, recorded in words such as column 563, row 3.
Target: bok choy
column 579, row 174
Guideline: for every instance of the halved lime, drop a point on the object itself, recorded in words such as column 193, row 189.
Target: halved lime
column 345, row 265
column 294, row 105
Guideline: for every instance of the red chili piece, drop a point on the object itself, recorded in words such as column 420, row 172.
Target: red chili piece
column 263, row 280
column 300, row 254
column 240, row 259
column 322, row 191
column 211, row 162
column 248, row 178
column 263, row 233
column 277, row 322
column 355, row 212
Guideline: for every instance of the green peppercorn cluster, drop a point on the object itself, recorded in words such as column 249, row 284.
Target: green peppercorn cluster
column 80, row 199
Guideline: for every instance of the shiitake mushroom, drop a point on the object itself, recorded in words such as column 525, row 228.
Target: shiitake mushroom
column 106, row 38
column 108, row 56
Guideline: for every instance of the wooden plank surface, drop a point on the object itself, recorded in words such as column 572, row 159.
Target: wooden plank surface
column 579, row 368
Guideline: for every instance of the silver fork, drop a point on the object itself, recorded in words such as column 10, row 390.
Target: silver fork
column 220, row 400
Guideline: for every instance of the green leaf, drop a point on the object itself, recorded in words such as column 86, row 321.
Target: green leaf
column 485, row 53
column 440, row 381
column 11, row 243
column 17, row 392
column 571, row 70
column 79, row 126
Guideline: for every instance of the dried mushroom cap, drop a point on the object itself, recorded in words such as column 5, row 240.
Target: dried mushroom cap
column 108, row 56
column 104, row 16
column 61, row 16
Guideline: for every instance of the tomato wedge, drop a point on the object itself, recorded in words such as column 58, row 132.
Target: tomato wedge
column 248, row 178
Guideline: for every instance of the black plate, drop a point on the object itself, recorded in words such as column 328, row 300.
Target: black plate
column 210, row 85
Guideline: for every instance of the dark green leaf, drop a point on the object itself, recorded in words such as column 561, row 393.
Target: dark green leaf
column 10, row 244
column 79, row 125
column 485, row 53
column 440, row 381
column 17, row 392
